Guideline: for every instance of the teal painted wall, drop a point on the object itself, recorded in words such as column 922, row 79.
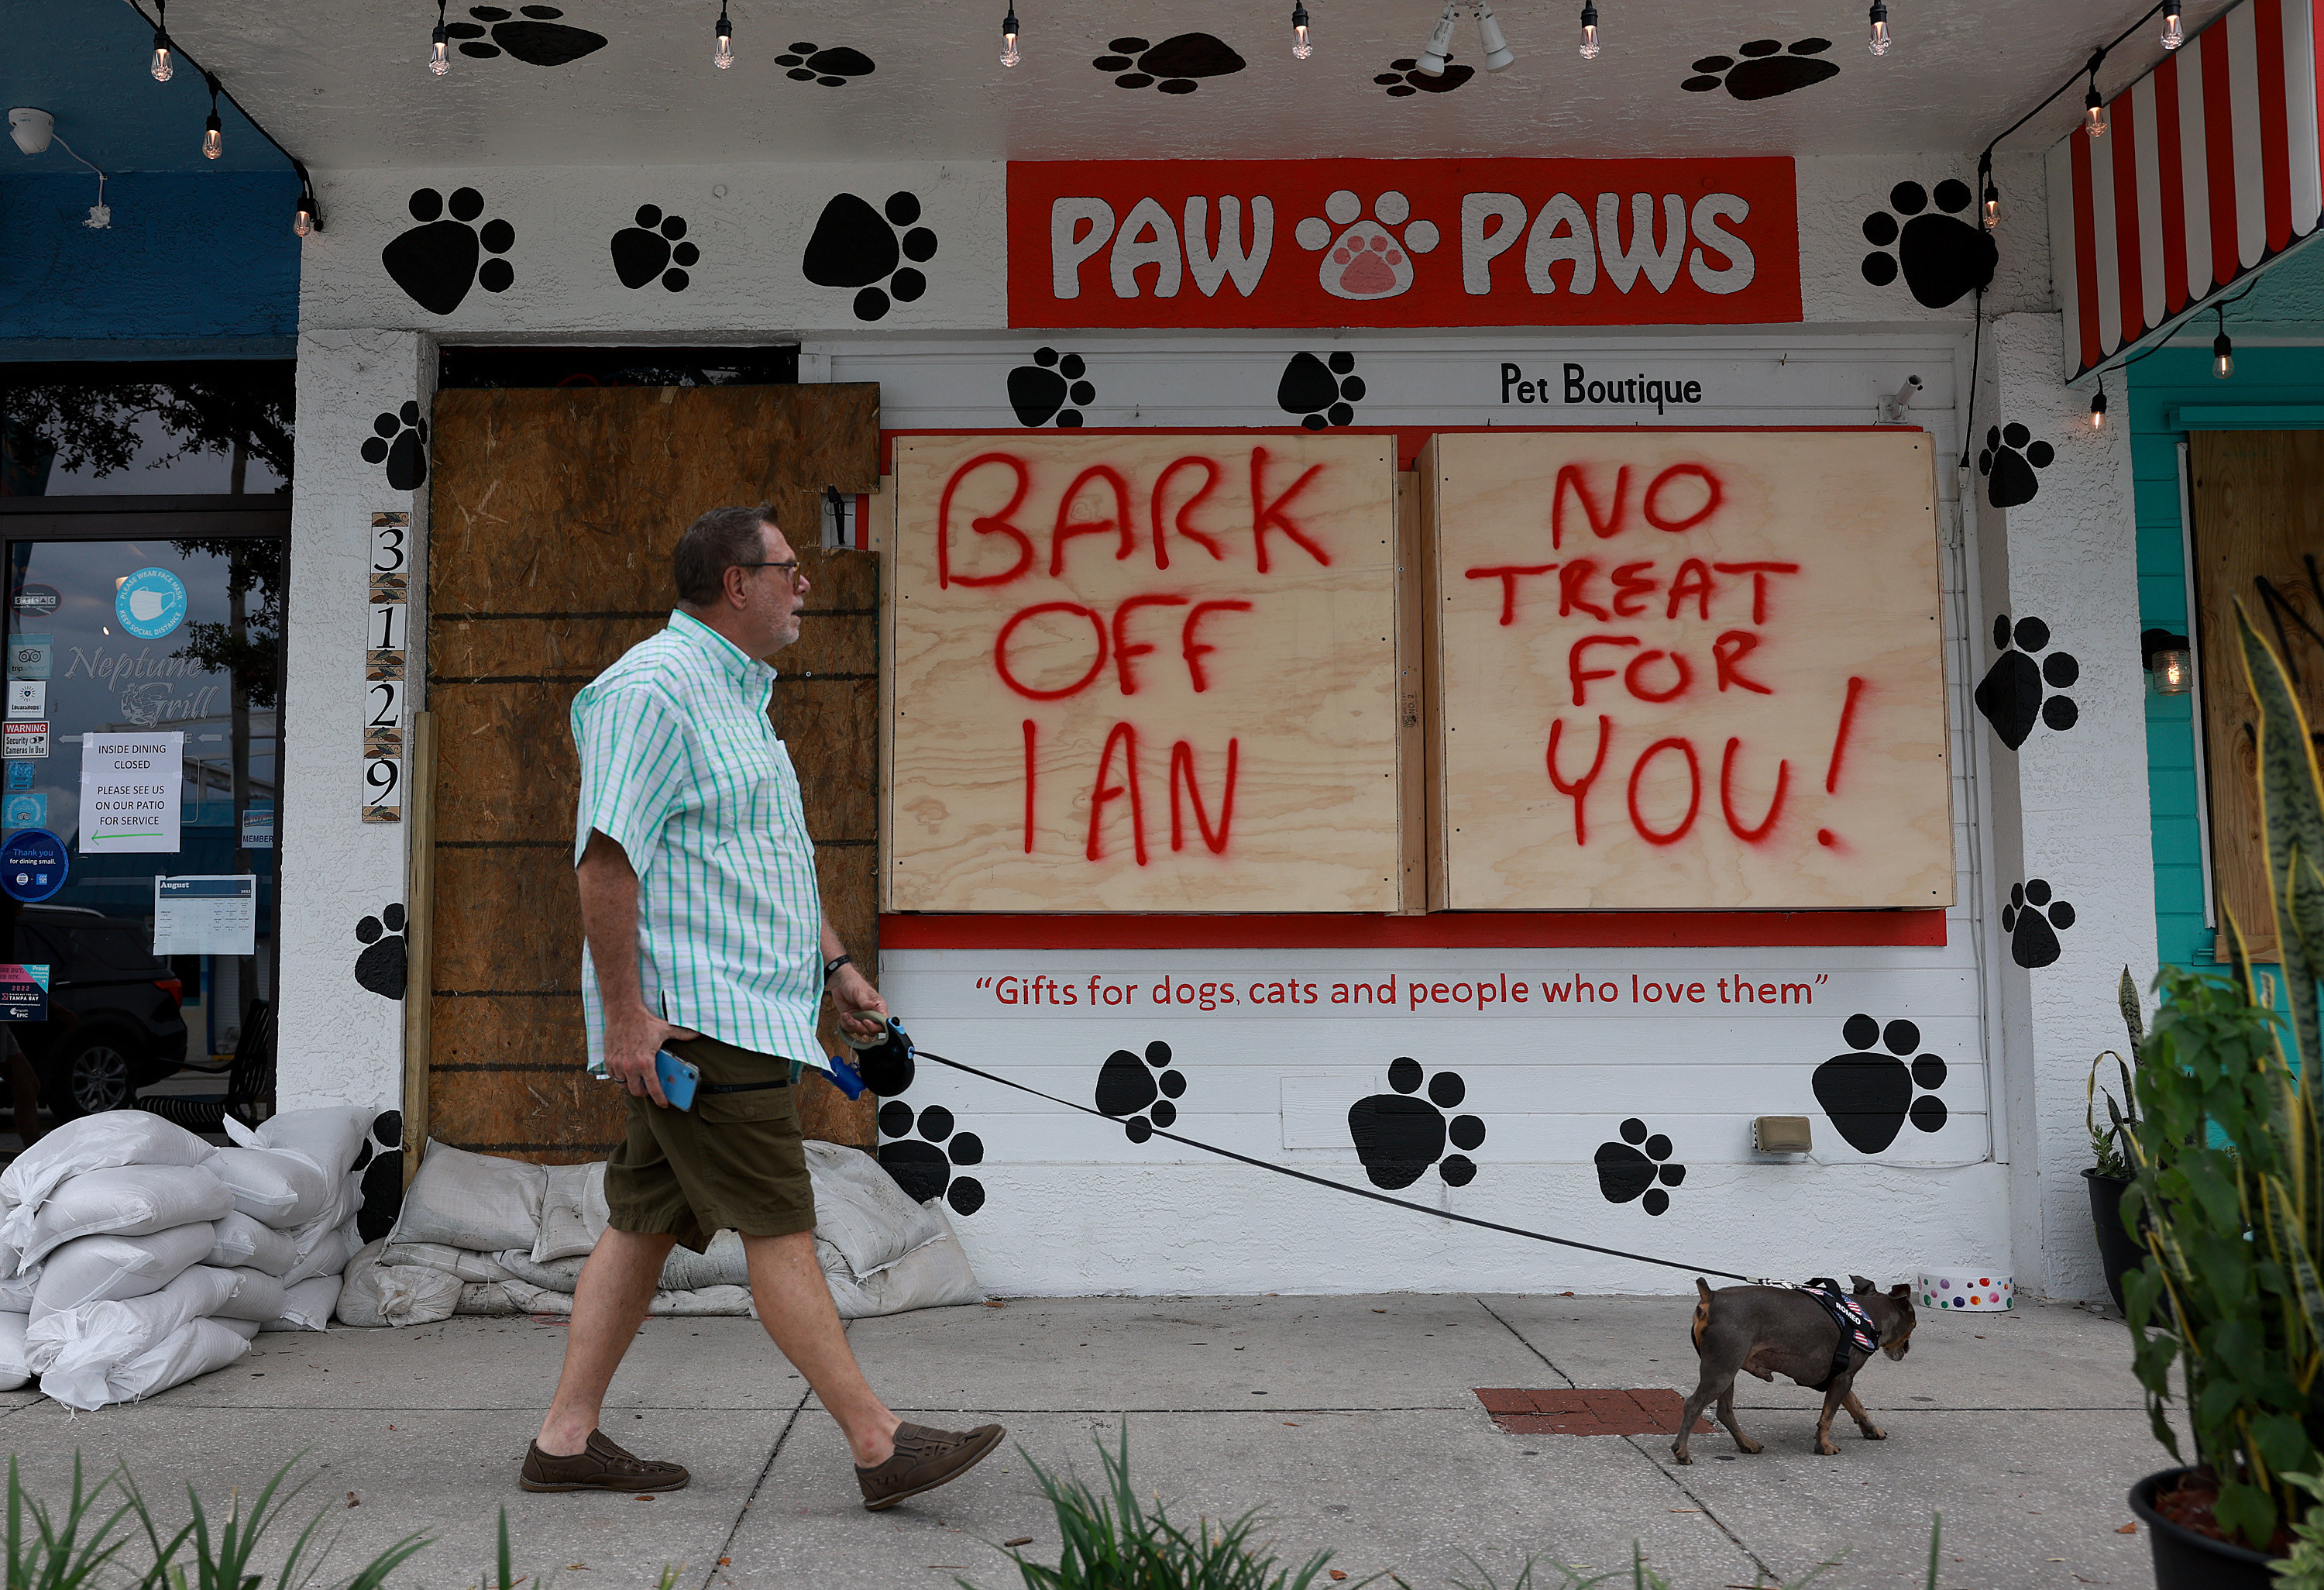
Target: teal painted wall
column 2159, row 382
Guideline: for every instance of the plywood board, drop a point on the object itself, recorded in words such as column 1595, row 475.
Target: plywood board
column 1688, row 670
column 2258, row 534
column 1086, row 605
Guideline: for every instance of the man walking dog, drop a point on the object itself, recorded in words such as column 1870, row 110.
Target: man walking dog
column 707, row 937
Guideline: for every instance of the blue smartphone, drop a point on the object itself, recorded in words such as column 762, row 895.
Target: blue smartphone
column 677, row 1078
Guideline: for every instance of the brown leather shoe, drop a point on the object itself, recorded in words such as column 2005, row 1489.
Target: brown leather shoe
column 598, row 1466
column 925, row 1459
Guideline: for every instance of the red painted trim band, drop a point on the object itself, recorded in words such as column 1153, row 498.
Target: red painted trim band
column 1437, row 930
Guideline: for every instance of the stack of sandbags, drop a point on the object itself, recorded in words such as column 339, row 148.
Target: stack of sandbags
column 142, row 1256
column 480, row 1234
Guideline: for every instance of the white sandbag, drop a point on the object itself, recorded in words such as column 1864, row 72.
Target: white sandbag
column 93, row 1142
column 471, row 1201
column 558, row 1275
column 129, row 1200
column 195, row 1348
column 108, row 1334
column 16, row 1368
column 17, row 1290
column 103, row 1269
column 723, row 1263
column 934, row 1275
column 478, row 1269
column 859, row 1210
column 247, row 1329
column 399, row 1295
column 257, row 1297
column 573, row 1211
column 307, row 1306
column 277, row 1187
column 325, row 1252
column 243, row 1244
column 333, row 1136
column 487, row 1298
column 701, row 1302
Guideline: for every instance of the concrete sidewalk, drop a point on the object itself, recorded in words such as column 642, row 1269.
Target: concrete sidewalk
column 1353, row 1420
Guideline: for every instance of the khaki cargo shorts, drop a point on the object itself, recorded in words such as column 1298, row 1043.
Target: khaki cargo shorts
column 734, row 1160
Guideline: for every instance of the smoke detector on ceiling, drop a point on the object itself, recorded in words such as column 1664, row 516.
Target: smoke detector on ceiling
column 31, row 129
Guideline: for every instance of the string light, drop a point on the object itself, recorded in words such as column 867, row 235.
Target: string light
column 1498, row 54
column 1009, row 54
column 2098, row 407
column 1987, row 193
column 164, row 68
column 722, row 57
column 213, row 133
column 1588, row 33
column 2094, row 117
column 440, row 57
column 309, row 218
column 1880, row 39
column 2223, row 349
column 2174, row 31
column 1301, row 48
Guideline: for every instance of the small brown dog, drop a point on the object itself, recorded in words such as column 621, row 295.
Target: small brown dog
column 1769, row 1331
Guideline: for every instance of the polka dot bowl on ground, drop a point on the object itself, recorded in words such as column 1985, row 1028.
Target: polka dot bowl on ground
column 1966, row 1292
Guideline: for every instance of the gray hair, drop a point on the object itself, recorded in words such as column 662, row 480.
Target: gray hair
column 715, row 543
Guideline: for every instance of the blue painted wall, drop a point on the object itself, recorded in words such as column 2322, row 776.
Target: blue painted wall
column 2158, row 383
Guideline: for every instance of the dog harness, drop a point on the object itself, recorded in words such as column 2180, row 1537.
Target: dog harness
column 1858, row 1332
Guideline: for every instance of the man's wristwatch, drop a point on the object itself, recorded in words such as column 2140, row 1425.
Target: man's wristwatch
column 830, row 967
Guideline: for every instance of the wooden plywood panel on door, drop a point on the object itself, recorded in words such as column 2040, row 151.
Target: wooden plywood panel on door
column 554, row 517
column 1687, row 669
column 2258, row 539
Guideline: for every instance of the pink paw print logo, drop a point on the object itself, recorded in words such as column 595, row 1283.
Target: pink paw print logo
column 1366, row 260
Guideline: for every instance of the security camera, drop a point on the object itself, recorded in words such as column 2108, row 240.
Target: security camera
column 31, row 129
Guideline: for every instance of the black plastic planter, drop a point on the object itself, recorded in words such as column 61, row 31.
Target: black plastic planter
column 2118, row 1250
column 2185, row 1560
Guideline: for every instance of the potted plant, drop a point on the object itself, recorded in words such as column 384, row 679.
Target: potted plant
column 2229, row 1196
column 2109, row 1176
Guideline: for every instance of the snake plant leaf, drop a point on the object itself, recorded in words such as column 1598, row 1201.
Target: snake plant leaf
column 2126, row 996
column 2291, row 811
column 2292, row 1252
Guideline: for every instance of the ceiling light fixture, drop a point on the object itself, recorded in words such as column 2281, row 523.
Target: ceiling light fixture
column 163, row 68
column 1009, row 54
column 1588, row 33
column 1498, row 54
column 2174, row 28
column 1439, row 48
column 439, row 57
column 722, row 57
column 213, row 133
column 1301, row 48
column 2223, row 349
column 1880, row 39
column 2094, row 119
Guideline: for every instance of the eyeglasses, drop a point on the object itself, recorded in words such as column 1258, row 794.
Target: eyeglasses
column 791, row 569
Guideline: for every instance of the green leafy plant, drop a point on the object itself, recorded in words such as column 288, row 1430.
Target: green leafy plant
column 62, row 1552
column 2303, row 1568
column 2110, row 1143
column 1113, row 1541
column 2230, row 1177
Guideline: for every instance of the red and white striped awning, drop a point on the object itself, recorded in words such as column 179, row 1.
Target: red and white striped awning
column 2210, row 168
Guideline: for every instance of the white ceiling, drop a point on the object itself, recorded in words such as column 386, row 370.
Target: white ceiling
column 344, row 85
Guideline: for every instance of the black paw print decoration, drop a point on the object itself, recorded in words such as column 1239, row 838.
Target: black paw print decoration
column 831, row 67
column 1175, row 66
column 1630, row 1168
column 380, row 968
column 1140, row 1092
column 2010, row 695
column 1399, row 1136
column 1039, row 392
column 855, row 246
column 1868, row 1094
column 1404, row 79
column 1944, row 258
column 532, row 34
column 400, row 443
column 2033, row 918
column 1766, row 70
column 437, row 262
column 642, row 251
column 2008, row 460
column 1322, row 393
column 923, row 1147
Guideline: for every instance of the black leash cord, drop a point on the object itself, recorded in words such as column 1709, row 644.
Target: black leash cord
column 1341, row 1186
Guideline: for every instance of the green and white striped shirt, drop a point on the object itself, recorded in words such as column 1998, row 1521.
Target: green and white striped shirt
column 681, row 768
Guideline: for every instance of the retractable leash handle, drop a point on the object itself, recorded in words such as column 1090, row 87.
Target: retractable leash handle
column 882, row 1065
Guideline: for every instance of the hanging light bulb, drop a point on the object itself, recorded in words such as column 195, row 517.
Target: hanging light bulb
column 2223, row 349
column 439, row 57
column 2094, row 108
column 2174, row 31
column 307, row 219
column 2098, row 407
column 1588, row 33
column 1009, row 54
column 164, row 68
column 302, row 223
column 1439, row 48
column 1498, row 54
column 1300, row 47
column 213, row 134
column 722, row 57
column 1992, row 206
column 1880, row 39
